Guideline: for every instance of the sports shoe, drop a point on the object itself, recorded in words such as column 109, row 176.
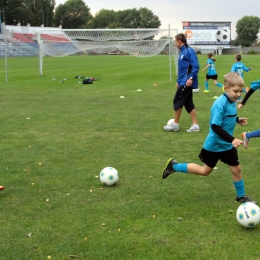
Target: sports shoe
column 245, row 140
column 172, row 127
column 193, row 128
column 168, row 168
column 247, row 89
column 2, row 187
column 245, row 199
column 206, row 91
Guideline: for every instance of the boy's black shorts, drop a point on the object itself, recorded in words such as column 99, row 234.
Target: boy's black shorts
column 214, row 77
column 229, row 157
column 183, row 97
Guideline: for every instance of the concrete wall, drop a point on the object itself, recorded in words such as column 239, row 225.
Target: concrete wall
column 242, row 50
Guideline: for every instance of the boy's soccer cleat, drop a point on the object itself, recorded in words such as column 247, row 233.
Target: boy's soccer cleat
column 245, row 199
column 2, row 187
column 247, row 89
column 245, row 140
column 193, row 128
column 172, row 127
column 206, row 91
column 168, row 168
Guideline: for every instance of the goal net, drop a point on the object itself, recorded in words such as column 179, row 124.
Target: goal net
column 141, row 43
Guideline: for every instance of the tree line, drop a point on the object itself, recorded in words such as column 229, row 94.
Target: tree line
column 75, row 14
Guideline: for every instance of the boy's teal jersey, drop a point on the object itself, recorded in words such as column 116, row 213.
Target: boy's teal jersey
column 224, row 114
column 239, row 67
column 211, row 69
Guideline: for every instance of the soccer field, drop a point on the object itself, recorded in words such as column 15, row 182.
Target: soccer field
column 57, row 137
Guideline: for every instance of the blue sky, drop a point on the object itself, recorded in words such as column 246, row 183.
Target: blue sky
column 173, row 12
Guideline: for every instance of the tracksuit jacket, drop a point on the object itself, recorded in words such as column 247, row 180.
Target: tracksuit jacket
column 188, row 66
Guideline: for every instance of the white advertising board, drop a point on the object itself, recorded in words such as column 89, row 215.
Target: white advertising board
column 207, row 33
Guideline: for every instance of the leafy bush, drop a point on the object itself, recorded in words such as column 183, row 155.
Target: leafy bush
column 252, row 52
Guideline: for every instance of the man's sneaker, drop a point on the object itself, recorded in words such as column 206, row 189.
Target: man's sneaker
column 245, row 199
column 245, row 140
column 206, row 91
column 193, row 128
column 2, row 187
column 172, row 127
column 168, row 168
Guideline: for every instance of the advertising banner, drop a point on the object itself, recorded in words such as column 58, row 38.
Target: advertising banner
column 207, row 33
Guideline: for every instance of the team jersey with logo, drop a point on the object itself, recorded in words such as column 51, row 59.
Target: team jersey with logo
column 211, row 69
column 239, row 67
column 188, row 66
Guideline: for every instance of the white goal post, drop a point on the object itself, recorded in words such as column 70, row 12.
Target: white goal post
column 141, row 43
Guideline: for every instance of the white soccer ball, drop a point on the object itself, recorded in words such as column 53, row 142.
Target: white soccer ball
column 109, row 176
column 196, row 90
column 222, row 35
column 170, row 122
column 248, row 214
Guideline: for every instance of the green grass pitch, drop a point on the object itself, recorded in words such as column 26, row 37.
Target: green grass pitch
column 57, row 137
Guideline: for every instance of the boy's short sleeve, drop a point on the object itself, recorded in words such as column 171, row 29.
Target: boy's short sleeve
column 217, row 114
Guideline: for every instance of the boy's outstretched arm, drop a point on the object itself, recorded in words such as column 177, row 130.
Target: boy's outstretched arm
column 246, row 97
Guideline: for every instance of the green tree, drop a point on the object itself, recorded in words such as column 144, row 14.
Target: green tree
column 129, row 18
column 16, row 11
column 73, row 14
column 247, row 29
column 104, row 19
column 43, row 12
column 33, row 12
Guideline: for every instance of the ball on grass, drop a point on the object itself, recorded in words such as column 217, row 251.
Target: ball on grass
column 109, row 176
column 170, row 122
column 248, row 214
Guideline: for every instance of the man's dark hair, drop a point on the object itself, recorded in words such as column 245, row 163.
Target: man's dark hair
column 182, row 38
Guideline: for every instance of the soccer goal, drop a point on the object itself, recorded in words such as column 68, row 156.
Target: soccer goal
column 141, row 43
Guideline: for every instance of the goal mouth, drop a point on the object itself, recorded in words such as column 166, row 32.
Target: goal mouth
column 137, row 42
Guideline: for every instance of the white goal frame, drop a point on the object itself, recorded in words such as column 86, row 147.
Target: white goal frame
column 140, row 42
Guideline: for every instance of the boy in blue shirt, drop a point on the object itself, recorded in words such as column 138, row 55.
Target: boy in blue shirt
column 239, row 67
column 219, row 143
column 247, row 135
column 212, row 73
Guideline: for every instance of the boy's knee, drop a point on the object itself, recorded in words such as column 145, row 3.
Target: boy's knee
column 207, row 173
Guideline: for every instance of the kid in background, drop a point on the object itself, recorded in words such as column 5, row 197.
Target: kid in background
column 212, row 73
column 239, row 68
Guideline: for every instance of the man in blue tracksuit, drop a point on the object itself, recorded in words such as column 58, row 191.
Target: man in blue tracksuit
column 188, row 68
